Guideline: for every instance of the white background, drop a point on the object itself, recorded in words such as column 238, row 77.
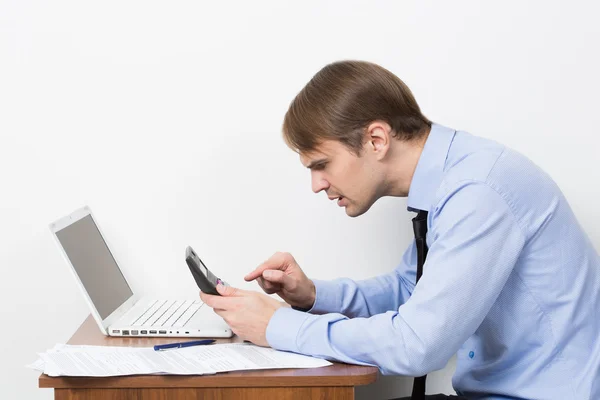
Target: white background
column 165, row 118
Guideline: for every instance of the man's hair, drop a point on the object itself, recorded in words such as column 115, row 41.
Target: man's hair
column 342, row 99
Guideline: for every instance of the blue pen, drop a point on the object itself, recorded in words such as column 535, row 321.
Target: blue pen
column 159, row 347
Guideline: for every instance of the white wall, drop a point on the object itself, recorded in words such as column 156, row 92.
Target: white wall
column 165, row 118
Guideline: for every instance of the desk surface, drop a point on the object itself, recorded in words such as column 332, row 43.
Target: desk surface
column 88, row 334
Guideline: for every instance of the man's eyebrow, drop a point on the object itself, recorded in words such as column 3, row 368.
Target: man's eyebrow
column 315, row 163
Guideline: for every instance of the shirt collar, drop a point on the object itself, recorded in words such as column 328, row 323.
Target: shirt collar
column 430, row 168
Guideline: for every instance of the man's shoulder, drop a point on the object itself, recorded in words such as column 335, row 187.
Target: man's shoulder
column 473, row 159
column 470, row 159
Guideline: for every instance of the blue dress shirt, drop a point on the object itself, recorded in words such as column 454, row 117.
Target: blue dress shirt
column 511, row 285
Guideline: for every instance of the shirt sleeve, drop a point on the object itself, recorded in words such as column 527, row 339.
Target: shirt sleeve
column 475, row 243
column 371, row 296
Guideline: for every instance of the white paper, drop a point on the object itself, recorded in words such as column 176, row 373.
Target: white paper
column 38, row 365
column 66, row 360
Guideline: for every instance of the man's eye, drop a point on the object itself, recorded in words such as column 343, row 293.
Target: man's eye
column 320, row 167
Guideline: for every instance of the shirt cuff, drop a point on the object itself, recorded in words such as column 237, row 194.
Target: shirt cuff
column 283, row 328
column 326, row 297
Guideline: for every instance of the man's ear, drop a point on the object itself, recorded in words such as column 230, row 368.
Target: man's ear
column 378, row 138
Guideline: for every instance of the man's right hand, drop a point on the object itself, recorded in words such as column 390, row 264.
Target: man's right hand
column 281, row 274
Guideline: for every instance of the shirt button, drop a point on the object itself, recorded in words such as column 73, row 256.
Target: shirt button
column 471, row 354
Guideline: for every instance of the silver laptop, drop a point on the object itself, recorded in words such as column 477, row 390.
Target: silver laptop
column 116, row 309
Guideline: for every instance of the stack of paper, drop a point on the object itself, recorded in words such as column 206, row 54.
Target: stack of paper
column 68, row 360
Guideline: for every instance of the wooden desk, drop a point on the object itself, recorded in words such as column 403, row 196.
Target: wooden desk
column 333, row 382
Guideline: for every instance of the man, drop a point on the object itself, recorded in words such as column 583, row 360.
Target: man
column 511, row 283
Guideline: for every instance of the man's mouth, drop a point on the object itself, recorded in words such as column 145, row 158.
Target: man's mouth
column 340, row 199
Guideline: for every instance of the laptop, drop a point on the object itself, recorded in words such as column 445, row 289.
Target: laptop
column 118, row 311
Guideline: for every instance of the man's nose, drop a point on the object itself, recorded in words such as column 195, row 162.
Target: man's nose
column 318, row 182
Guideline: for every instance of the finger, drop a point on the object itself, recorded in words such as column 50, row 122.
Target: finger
column 277, row 261
column 220, row 312
column 221, row 302
column 229, row 291
column 261, row 282
column 267, row 286
column 203, row 296
column 277, row 278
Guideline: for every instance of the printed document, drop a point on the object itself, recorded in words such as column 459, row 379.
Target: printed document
column 69, row 360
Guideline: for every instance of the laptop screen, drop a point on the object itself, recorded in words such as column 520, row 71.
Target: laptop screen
column 95, row 265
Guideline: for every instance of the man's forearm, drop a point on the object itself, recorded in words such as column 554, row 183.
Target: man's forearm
column 362, row 298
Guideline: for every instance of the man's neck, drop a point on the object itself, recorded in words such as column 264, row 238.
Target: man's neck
column 402, row 166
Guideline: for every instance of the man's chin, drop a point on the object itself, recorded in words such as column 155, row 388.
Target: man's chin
column 354, row 212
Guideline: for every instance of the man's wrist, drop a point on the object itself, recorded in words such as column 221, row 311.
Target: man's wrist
column 313, row 294
column 311, row 302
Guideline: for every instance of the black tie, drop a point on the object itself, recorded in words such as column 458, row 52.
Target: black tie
column 420, row 229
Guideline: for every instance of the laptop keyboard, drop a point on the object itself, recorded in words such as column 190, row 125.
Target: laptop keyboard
column 168, row 313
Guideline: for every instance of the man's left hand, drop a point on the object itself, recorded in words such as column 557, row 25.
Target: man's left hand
column 246, row 312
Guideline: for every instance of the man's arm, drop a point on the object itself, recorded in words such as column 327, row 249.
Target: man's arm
column 476, row 243
column 368, row 297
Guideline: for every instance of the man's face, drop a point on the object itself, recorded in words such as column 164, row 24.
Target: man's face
column 350, row 180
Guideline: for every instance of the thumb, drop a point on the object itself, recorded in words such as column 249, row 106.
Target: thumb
column 276, row 276
column 227, row 291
